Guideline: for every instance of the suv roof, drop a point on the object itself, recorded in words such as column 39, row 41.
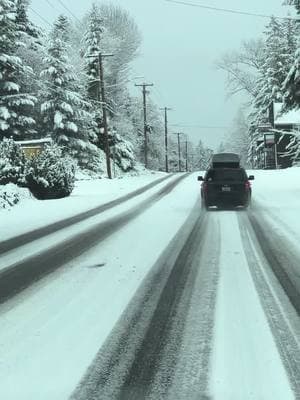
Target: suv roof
column 225, row 160
column 226, row 174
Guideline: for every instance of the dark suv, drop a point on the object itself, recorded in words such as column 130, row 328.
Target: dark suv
column 225, row 186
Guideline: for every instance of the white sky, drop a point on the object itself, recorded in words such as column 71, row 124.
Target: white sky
column 180, row 46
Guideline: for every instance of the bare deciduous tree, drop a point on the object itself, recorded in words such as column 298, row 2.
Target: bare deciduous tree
column 242, row 67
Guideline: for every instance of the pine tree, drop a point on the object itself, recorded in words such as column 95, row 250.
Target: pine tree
column 12, row 162
column 65, row 113
column 23, row 22
column 273, row 70
column 290, row 33
column 32, row 51
column 92, row 47
column 291, row 85
column 15, row 106
column 92, row 41
column 295, row 3
column 123, row 153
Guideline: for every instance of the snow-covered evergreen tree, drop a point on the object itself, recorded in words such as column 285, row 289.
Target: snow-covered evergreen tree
column 91, row 49
column 32, row 51
column 23, row 22
column 295, row 3
column 123, row 154
column 65, row 113
column 290, row 30
column 110, row 29
column 273, row 70
column 278, row 54
column 15, row 105
column 291, row 84
column 12, row 163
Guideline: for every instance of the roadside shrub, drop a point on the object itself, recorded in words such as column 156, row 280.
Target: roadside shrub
column 123, row 154
column 12, row 163
column 11, row 194
column 50, row 175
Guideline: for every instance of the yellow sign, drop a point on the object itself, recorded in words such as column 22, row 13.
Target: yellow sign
column 31, row 152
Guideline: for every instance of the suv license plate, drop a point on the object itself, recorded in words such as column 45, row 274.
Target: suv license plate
column 226, row 188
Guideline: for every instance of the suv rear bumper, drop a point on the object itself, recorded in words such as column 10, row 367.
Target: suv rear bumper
column 228, row 199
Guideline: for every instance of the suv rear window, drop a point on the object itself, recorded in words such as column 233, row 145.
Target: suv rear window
column 233, row 175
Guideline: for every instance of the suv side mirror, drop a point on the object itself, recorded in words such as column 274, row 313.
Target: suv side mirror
column 251, row 178
column 200, row 178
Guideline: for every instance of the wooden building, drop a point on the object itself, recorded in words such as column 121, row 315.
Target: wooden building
column 33, row 147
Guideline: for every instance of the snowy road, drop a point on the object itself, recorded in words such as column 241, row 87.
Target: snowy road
column 18, row 274
column 31, row 235
column 173, row 303
column 207, row 324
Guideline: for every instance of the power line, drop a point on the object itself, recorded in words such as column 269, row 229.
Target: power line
column 200, row 126
column 51, row 5
column 39, row 15
column 69, row 11
column 227, row 10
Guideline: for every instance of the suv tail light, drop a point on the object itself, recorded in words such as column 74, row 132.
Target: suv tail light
column 204, row 187
column 247, row 185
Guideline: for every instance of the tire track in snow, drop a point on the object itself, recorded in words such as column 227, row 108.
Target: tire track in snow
column 170, row 314
column 281, row 256
column 286, row 342
column 20, row 240
column 192, row 372
column 260, row 210
column 20, row 275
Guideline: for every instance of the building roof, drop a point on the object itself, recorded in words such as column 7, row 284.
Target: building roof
column 291, row 117
column 34, row 141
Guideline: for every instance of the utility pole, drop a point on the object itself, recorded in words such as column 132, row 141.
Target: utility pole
column 179, row 150
column 104, row 113
column 166, row 109
column 192, row 162
column 99, row 56
column 186, row 155
column 144, row 86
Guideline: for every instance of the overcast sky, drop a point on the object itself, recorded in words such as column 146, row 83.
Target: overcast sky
column 180, row 46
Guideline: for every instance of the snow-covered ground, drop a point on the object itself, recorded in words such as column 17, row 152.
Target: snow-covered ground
column 245, row 359
column 51, row 332
column 30, row 213
column 277, row 195
column 50, row 335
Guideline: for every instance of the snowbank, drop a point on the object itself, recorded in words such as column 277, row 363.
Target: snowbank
column 276, row 197
column 30, row 213
column 11, row 194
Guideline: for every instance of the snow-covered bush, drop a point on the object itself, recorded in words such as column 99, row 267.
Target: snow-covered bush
column 88, row 156
column 51, row 174
column 12, row 163
column 123, row 154
column 11, row 194
column 8, row 198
